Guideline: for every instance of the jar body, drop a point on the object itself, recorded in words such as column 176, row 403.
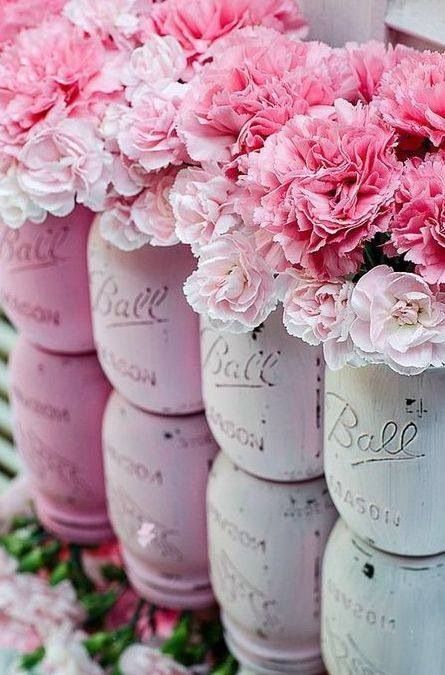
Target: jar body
column 44, row 282
column 57, row 404
column 156, row 474
column 266, row 541
column 381, row 614
column 384, row 458
column 146, row 334
column 263, row 394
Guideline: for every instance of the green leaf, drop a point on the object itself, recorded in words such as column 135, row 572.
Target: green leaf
column 98, row 604
column 113, row 573
column 229, row 667
column 61, row 572
column 120, row 640
column 29, row 661
column 32, row 561
column 97, row 642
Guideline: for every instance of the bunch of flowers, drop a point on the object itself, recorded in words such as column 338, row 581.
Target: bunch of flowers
column 71, row 610
column 175, row 39
column 56, row 81
column 320, row 185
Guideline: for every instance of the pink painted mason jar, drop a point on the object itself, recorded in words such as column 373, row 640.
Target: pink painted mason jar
column 147, row 336
column 58, row 403
column 156, row 476
column 266, row 541
column 44, row 281
column 263, row 394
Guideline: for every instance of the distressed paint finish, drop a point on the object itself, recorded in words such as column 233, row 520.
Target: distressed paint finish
column 156, row 473
column 44, row 281
column 381, row 614
column 266, row 541
column 57, row 404
column 384, row 456
column 147, row 336
column 263, row 393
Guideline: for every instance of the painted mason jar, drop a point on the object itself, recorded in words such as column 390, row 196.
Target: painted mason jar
column 156, row 471
column 263, row 394
column 44, row 281
column 384, row 458
column 147, row 336
column 266, row 542
column 381, row 614
column 57, row 404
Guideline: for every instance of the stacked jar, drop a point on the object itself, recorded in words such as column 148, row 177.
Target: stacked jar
column 383, row 572
column 269, row 510
column 58, row 391
column 158, row 449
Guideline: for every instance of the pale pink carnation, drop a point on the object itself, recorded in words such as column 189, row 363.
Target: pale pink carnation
column 197, row 25
column 320, row 313
column 412, row 96
column 158, row 63
column 152, row 212
column 16, row 207
column 202, row 200
column 62, row 165
column 418, row 228
column 233, row 286
column 139, row 659
column 16, row 15
column 400, row 320
column 147, row 131
column 329, row 186
column 44, row 74
column 117, row 226
column 65, row 653
column 115, row 20
column 258, row 80
column 29, row 600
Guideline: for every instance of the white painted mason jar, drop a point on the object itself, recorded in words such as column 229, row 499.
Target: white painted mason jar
column 266, row 541
column 156, row 472
column 263, row 395
column 384, row 456
column 146, row 334
column 381, row 614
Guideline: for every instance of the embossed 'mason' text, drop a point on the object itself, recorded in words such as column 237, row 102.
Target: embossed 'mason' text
column 245, row 438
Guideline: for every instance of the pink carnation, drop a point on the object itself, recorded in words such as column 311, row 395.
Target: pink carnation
column 44, row 74
column 197, row 25
column 233, row 286
column 258, row 80
column 320, row 312
column 412, row 96
column 202, row 200
column 152, row 212
column 147, row 131
column 16, row 15
column 370, row 61
column 400, row 320
column 65, row 164
column 418, row 227
column 329, row 187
